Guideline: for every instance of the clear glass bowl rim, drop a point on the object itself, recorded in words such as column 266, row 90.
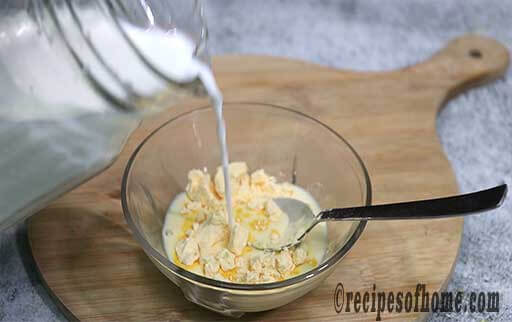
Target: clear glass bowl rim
column 137, row 234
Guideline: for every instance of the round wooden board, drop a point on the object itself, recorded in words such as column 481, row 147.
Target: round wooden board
column 95, row 269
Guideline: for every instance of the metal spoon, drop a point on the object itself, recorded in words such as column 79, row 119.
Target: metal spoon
column 302, row 219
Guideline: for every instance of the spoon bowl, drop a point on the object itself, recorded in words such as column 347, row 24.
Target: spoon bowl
column 302, row 219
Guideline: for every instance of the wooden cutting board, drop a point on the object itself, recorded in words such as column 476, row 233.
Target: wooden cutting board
column 95, row 269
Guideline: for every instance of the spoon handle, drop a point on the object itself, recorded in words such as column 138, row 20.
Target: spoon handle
column 424, row 209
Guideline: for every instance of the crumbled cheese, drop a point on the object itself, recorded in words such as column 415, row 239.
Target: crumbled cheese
column 263, row 184
column 267, row 278
column 187, row 251
column 270, row 275
column 241, row 263
column 237, row 176
column 252, row 277
column 256, row 263
column 222, row 249
column 244, row 192
column 219, row 217
column 284, row 262
column 238, row 239
column 260, row 178
column 256, row 203
column 211, row 266
column 211, row 238
column 201, row 216
column 241, row 275
column 269, row 260
column 238, row 169
column 226, row 259
column 200, row 188
column 299, row 255
column 191, row 206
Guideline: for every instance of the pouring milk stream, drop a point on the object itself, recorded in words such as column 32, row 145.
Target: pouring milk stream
column 186, row 67
column 56, row 137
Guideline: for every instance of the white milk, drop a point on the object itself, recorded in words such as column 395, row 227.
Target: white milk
column 177, row 49
column 209, row 83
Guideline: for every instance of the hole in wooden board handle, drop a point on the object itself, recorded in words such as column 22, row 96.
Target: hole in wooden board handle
column 475, row 53
column 465, row 61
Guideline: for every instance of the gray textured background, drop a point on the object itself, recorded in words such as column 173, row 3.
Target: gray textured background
column 475, row 128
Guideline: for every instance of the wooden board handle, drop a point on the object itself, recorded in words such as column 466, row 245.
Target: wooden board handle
column 465, row 62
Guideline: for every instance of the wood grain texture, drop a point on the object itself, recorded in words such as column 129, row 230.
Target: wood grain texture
column 89, row 260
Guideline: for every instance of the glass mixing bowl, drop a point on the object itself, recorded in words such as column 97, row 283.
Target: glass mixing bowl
column 289, row 145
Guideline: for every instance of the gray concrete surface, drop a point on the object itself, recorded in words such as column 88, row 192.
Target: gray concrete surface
column 475, row 128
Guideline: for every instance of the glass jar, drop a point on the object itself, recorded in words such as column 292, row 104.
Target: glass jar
column 75, row 82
